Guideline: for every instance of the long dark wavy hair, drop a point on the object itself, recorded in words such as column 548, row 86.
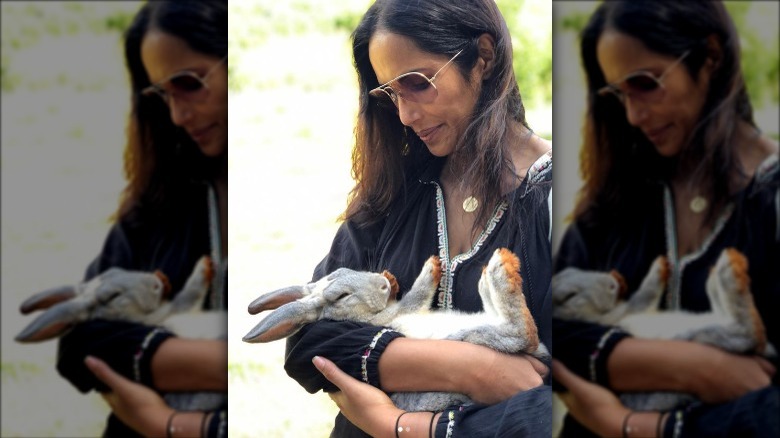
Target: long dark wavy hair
column 381, row 163
column 160, row 159
column 617, row 161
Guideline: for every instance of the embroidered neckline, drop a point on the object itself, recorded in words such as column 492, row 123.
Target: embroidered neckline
column 450, row 264
column 677, row 265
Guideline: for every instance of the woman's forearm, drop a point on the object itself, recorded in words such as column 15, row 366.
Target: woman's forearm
column 711, row 374
column 452, row 366
column 643, row 365
column 190, row 365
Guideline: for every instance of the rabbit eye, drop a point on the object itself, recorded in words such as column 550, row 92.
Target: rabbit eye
column 568, row 296
column 342, row 296
column 105, row 299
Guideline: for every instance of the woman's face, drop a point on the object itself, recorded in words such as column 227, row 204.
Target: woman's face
column 205, row 117
column 441, row 122
column 667, row 119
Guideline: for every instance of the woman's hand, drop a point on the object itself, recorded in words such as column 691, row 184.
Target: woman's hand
column 503, row 376
column 592, row 405
column 137, row 406
column 730, row 376
column 365, row 406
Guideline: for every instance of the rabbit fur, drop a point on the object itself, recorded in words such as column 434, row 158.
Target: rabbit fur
column 506, row 323
column 733, row 324
column 134, row 296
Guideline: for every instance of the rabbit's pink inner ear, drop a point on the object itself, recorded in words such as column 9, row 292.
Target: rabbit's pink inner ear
column 165, row 282
column 48, row 332
column 46, row 299
column 393, row 282
column 275, row 299
column 622, row 285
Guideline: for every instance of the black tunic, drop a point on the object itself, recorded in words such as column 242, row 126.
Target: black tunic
column 414, row 230
column 751, row 224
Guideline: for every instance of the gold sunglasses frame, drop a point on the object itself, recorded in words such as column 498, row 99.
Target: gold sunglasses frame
column 165, row 96
column 614, row 87
column 375, row 92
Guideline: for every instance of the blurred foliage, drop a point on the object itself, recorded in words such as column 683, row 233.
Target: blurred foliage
column 25, row 24
column 266, row 21
column 530, row 25
column 760, row 48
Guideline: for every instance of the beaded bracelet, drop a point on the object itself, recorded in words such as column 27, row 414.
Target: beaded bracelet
column 399, row 429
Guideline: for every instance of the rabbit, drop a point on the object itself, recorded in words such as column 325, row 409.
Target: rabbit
column 134, row 296
column 733, row 324
column 505, row 325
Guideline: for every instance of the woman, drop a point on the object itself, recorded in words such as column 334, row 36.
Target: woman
column 673, row 165
column 173, row 211
column 445, row 164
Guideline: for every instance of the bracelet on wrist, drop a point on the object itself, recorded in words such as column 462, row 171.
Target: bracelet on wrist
column 169, row 429
column 626, row 427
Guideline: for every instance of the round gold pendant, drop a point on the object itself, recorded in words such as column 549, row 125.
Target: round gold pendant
column 698, row 204
column 470, row 204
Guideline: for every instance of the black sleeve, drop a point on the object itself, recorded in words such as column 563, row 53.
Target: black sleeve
column 126, row 347
column 354, row 347
column 583, row 347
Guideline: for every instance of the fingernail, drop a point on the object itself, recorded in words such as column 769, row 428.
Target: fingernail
column 317, row 361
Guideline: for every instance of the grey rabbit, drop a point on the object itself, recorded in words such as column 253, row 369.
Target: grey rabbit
column 733, row 324
column 506, row 324
column 134, row 296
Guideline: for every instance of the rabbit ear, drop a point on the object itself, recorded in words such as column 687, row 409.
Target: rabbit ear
column 273, row 300
column 285, row 321
column 47, row 298
column 55, row 321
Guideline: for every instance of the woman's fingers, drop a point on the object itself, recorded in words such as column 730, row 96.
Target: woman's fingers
column 538, row 365
column 571, row 381
column 104, row 372
column 766, row 366
column 331, row 372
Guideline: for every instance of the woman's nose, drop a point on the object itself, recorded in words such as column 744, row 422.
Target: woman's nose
column 408, row 112
column 180, row 111
column 636, row 111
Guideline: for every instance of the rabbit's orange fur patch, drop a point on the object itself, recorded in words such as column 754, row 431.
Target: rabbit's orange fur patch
column 393, row 282
column 165, row 282
column 209, row 271
column 622, row 285
column 512, row 266
column 739, row 265
column 436, row 269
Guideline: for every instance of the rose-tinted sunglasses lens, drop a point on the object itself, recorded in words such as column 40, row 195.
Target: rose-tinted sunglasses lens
column 416, row 88
column 185, row 82
column 641, row 83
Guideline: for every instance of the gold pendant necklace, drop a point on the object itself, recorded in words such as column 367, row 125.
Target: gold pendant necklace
column 698, row 204
column 470, row 204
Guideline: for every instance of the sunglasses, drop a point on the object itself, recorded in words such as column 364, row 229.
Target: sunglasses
column 412, row 87
column 183, row 85
column 641, row 85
